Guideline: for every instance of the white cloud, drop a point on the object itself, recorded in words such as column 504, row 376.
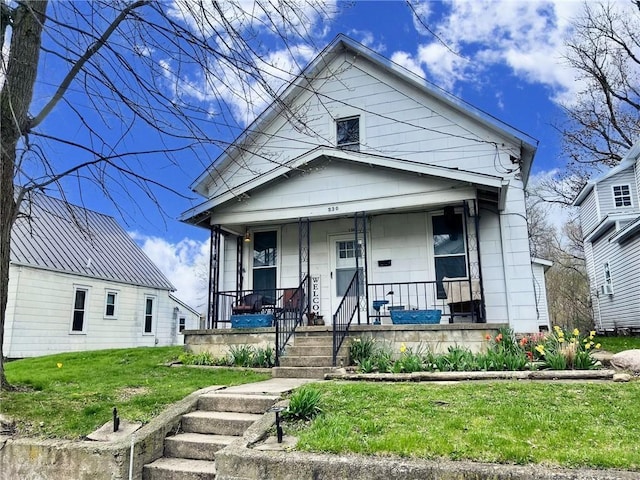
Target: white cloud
column 525, row 36
column 245, row 93
column 404, row 60
column 185, row 264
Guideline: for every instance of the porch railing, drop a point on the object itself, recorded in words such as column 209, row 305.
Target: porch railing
column 290, row 316
column 459, row 300
column 344, row 314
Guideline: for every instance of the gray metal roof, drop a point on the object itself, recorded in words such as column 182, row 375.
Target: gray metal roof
column 63, row 237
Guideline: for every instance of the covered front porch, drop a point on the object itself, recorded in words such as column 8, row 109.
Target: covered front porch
column 406, row 267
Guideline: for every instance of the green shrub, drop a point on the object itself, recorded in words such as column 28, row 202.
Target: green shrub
column 304, row 404
column 360, row 349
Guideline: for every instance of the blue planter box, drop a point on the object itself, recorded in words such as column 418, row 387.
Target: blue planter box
column 252, row 320
column 412, row 317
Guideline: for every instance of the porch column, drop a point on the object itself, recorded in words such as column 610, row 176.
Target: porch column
column 214, row 276
column 304, row 257
column 473, row 256
column 360, row 228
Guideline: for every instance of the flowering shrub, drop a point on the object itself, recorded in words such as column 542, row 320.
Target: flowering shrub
column 505, row 351
column 567, row 350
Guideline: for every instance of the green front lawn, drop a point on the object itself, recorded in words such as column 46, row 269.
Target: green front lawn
column 618, row 344
column 559, row 423
column 72, row 394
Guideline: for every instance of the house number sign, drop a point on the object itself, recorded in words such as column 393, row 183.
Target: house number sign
column 333, row 208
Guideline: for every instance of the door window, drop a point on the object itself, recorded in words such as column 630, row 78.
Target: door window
column 449, row 249
column 265, row 256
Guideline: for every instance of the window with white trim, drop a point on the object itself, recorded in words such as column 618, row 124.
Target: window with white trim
column 149, row 313
column 265, row 268
column 449, row 248
column 348, row 133
column 111, row 305
column 78, row 319
column 182, row 323
column 622, row 196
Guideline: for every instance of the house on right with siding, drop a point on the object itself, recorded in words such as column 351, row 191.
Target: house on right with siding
column 610, row 219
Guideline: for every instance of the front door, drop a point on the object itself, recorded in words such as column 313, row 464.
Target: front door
column 343, row 266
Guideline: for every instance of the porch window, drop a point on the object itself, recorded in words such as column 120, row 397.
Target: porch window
column 346, row 252
column 622, row 195
column 265, row 256
column 449, row 250
column 79, row 309
column 348, row 133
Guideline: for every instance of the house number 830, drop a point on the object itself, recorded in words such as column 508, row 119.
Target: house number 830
column 332, row 209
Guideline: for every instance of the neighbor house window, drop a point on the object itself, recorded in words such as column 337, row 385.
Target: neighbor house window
column 182, row 323
column 265, row 257
column 79, row 309
column 449, row 250
column 110, row 307
column 622, row 195
column 608, row 280
column 148, row 314
column 348, row 133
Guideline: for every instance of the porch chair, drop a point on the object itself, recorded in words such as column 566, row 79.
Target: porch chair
column 251, row 303
column 463, row 301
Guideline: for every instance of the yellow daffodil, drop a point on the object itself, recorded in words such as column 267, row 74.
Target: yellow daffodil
column 576, row 332
column 561, row 339
column 598, row 346
column 592, row 333
column 587, row 346
column 540, row 349
column 403, row 348
column 59, row 365
column 585, row 340
column 556, row 328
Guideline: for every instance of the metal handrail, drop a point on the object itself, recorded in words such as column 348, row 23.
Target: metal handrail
column 344, row 314
column 289, row 317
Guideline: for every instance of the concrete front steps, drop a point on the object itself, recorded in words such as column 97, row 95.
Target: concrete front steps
column 310, row 354
column 220, row 419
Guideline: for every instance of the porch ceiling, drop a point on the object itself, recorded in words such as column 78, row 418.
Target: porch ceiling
column 422, row 185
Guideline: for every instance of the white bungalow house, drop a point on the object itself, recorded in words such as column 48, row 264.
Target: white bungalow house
column 610, row 219
column 77, row 281
column 365, row 194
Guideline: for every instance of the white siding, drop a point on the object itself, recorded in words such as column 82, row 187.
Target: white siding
column 589, row 214
column 340, row 188
column 605, row 192
column 41, row 311
column 397, row 120
column 517, row 262
column 540, row 288
column 622, row 309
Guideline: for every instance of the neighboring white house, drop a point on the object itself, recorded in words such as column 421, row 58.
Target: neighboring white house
column 365, row 180
column 77, row 281
column 610, row 218
column 540, row 267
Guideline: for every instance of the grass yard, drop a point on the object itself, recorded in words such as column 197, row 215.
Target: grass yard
column 567, row 424
column 70, row 395
column 618, row 344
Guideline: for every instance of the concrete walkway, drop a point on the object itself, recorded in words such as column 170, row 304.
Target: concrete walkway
column 272, row 386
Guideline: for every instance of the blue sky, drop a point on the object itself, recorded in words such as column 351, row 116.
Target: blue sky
column 504, row 57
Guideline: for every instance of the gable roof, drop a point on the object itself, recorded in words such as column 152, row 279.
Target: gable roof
column 628, row 161
column 337, row 47
column 67, row 238
column 481, row 179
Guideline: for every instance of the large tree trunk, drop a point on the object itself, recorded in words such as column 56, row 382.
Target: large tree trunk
column 15, row 97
